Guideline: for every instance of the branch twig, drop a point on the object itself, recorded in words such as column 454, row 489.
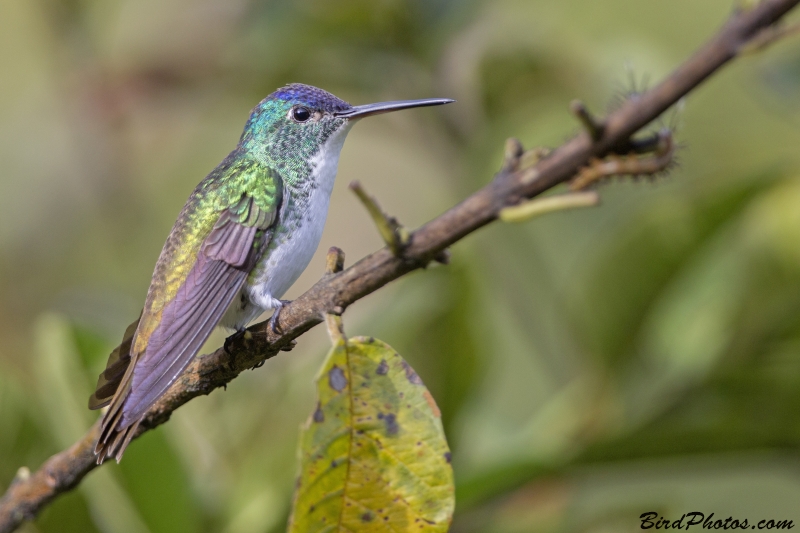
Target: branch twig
column 593, row 126
column 27, row 495
column 769, row 36
column 392, row 232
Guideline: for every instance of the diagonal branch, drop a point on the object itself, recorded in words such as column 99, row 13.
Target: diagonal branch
column 29, row 493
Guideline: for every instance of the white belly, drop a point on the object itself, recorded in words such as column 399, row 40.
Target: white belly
column 293, row 244
column 289, row 256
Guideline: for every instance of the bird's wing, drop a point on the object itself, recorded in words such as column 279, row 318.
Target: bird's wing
column 186, row 300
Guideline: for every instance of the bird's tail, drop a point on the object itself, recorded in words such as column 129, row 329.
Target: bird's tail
column 113, row 440
column 112, row 387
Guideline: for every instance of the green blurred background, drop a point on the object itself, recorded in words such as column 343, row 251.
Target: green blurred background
column 590, row 366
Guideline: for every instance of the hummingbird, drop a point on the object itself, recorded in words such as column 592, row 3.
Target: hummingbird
column 244, row 236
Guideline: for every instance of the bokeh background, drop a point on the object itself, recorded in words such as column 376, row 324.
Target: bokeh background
column 590, row 366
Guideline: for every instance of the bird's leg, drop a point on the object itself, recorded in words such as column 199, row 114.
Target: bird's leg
column 273, row 320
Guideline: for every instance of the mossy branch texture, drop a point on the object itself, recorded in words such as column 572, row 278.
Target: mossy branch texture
column 522, row 176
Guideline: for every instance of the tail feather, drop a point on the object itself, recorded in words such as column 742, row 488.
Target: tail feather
column 113, row 441
column 113, row 386
column 114, row 436
column 109, row 380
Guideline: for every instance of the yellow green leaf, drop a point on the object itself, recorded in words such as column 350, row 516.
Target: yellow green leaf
column 373, row 453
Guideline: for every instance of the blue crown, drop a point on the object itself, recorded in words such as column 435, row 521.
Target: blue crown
column 312, row 97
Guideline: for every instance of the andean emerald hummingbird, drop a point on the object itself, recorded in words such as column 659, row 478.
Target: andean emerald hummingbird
column 247, row 232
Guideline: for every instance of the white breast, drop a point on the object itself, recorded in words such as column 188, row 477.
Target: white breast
column 302, row 221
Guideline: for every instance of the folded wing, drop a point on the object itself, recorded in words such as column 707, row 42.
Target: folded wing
column 173, row 331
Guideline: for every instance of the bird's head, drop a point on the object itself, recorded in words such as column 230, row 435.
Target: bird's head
column 297, row 121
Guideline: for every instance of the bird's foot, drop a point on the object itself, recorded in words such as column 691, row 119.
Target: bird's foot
column 230, row 341
column 273, row 321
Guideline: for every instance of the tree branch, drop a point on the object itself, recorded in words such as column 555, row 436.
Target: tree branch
column 29, row 493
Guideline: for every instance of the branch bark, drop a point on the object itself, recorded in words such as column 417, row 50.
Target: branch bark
column 29, row 493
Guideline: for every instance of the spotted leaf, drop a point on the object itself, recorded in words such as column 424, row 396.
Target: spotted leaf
column 373, row 452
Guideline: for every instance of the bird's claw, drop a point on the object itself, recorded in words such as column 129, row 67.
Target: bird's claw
column 273, row 321
column 231, row 340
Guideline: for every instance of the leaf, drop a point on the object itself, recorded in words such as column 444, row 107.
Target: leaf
column 373, row 453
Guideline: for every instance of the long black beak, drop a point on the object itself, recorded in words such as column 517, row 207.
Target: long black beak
column 361, row 111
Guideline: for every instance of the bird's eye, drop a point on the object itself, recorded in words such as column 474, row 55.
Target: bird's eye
column 301, row 114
